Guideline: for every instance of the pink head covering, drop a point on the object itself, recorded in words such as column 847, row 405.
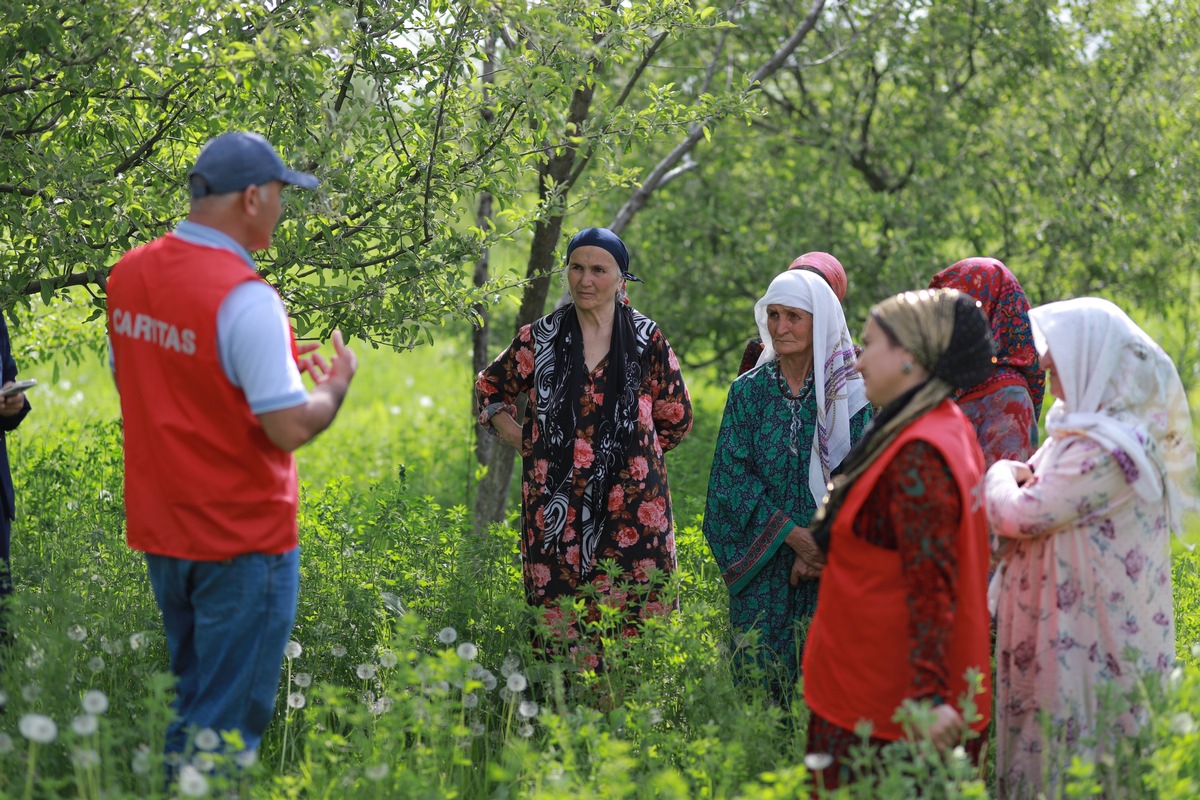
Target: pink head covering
column 827, row 267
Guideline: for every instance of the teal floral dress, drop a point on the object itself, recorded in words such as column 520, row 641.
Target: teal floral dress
column 758, row 490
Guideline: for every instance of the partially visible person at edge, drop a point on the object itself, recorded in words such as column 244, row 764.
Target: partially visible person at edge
column 606, row 400
column 788, row 424
column 902, row 615
column 1085, row 615
column 212, row 404
column 819, row 263
column 1005, row 407
column 12, row 410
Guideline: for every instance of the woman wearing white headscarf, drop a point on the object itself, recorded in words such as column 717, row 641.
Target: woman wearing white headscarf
column 1084, row 592
column 788, row 424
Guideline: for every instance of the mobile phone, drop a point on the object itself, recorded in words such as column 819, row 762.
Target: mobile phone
column 17, row 387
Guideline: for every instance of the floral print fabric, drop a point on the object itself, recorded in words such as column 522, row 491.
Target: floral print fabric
column 639, row 534
column 1084, row 602
column 1004, row 420
column 758, row 491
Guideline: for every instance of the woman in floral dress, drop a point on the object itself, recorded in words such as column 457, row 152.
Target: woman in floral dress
column 606, row 401
column 788, row 424
column 1084, row 593
column 1005, row 407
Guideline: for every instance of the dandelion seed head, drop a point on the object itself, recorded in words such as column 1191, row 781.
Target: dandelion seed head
column 815, row 762
column 36, row 657
column 477, row 729
column 112, row 647
column 338, row 651
column 516, row 682
column 292, row 650
column 85, row 725
column 1182, row 724
column 6, row 743
column 467, row 651
column 94, row 701
column 246, row 758
column 38, row 728
column 525, row 730
column 204, row 762
column 96, row 664
column 959, row 753
column 388, row 659
column 1196, row 650
column 30, row 692
column 85, row 758
column 510, row 665
column 447, row 635
column 77, row 633
column 302, row 679
column 655, row 716
column 140, row 763
column 365, row 671
column 295, row 700
column 192, row 782
column 137, row 641
column 207, row 740
column 527, row 709
column 376, row 772
column 470, row 700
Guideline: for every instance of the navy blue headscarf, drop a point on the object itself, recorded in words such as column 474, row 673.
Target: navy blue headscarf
column 605, row 240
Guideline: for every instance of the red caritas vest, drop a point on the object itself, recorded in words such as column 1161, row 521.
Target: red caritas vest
column 856, row 662
column 202, row 480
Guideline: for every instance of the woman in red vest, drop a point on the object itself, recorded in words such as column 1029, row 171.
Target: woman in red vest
column 902, row 613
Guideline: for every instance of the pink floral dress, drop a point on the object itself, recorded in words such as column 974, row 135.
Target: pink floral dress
column 1084, row 607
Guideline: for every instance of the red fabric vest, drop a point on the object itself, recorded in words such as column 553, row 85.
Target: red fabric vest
column 202, row 480
column 856, row 661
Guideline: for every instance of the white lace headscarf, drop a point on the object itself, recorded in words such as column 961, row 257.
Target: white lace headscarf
column 839, row 389
column 1121, row 390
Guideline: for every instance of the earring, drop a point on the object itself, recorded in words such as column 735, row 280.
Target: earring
column 906, row 367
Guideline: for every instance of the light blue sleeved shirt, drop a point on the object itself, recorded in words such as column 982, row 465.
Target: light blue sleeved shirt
column 253, row 333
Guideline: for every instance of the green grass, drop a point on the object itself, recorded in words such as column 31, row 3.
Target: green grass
column 375, row 704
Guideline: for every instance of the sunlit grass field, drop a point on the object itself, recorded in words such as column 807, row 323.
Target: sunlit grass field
column 411, row 673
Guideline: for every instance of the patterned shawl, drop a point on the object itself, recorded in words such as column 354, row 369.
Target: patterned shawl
column 838, row 387
column 559, row 376
column 1121, row 390
column 1007, row 310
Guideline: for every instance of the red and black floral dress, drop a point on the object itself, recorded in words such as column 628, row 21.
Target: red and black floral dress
column 564, row 558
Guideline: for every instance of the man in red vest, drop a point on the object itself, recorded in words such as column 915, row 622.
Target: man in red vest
column 213, row 405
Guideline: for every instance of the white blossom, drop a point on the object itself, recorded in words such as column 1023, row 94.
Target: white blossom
column 94, row 701
column 85, row 725
column 38, row 728
column 815, row 762
column 191, row 782
column 207, row 740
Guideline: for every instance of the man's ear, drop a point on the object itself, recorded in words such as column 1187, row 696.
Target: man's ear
column 251, row 200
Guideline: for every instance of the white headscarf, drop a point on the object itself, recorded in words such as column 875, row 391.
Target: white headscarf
column 838, row 388
column 1122, row 391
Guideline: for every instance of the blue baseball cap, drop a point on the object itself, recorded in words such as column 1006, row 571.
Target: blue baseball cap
column 232, row 161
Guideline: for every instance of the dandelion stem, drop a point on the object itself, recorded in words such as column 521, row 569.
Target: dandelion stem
column 30, row 770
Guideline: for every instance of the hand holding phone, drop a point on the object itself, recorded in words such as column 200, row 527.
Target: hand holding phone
column 17, row 387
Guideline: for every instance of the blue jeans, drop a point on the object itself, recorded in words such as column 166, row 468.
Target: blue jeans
column 227, row 623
